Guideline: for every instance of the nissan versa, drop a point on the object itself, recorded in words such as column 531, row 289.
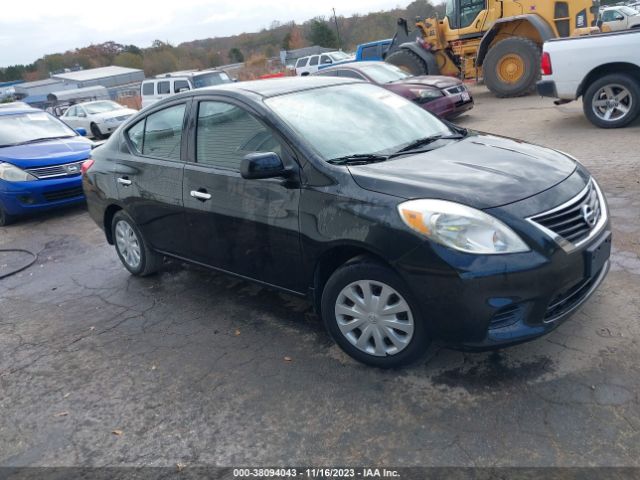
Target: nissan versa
column 399, row 227
column 40, row 161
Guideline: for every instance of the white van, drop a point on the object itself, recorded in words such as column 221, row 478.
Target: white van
column 167, row 84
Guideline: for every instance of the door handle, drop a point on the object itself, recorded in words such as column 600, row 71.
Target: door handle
column 124, row 181
column 204, row 196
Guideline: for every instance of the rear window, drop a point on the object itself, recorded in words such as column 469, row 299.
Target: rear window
column 370, row 52
column 147, row 88
column 164, row 88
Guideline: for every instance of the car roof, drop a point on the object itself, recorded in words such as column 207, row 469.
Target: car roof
column 276, row 86
column 9, row 109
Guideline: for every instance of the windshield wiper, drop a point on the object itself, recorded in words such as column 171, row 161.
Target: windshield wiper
column 358, row 159
column 421, row 142
column 43, row 139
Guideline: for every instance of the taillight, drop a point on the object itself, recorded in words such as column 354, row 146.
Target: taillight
column 86, row 165
column 545, row 64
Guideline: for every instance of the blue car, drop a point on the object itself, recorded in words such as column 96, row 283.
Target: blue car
column 40, row 162
column 372, row 51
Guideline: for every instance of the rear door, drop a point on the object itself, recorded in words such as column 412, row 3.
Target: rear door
column 150, row 178
column 248, row 227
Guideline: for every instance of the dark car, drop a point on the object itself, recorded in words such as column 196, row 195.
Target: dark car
column 40, row 160
column 399, row 227
column 446, row 97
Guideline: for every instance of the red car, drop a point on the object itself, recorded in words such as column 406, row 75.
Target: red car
column 446, row 97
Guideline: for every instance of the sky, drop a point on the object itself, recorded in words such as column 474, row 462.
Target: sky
column 30, row 29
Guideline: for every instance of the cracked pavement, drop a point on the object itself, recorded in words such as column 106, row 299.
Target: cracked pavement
column 189, row 366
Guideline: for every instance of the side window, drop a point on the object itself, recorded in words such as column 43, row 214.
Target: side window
column 302, row 62
column 325, row 60
column 80, row 112
column 227, row 133
column 164, row 88
column 136, row 135
column 71, row 112
column 328, row 72
column 163, row 133
column 350, row 74
column 147, row 88
column 369, row 52
column 469, row 10
column 313, row 61
column 180, row 85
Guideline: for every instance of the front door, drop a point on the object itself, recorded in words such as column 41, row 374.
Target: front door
column 150, row 179
column 247, row 227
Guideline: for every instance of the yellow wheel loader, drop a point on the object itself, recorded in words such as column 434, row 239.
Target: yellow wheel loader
column 498, row 40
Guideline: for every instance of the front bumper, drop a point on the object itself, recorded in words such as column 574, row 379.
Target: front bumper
column 497, row 301
column 547, row 88
column 21, row 198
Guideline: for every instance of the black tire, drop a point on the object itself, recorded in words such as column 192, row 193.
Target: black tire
column 409, row 61
column 368, row 270
column 5, row 218
column 95, row 131
column 530, row 54
column 631, row 101
column 150, row 262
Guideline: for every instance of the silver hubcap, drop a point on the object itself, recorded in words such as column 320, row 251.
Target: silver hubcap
column 127, row 243
column 612, row 102
column 374, row 318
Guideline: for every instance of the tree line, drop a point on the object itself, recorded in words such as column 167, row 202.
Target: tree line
column 162, row 57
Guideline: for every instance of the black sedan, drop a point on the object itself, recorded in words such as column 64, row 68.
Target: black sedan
column 400, row 228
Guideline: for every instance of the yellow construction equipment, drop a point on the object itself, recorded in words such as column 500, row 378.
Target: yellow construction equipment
column 498, row 40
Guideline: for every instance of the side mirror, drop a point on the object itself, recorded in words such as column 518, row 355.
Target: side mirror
column 183, row 89
column 81, row 131
column 262, row 165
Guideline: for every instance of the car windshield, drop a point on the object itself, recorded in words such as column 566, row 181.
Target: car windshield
column 628, row 11
column 101, row 107
column 210, row 79
column 31, row 127
column 384, row 73
column 339, row 56
column 355, row 119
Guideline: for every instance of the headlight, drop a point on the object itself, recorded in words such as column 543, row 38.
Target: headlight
column 460, row 227
column 11, row 173
column 111, row 120
column 426, row 94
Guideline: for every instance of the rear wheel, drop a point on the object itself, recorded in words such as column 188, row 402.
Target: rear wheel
column 408, row 61
column 371, row 314
column 512, row 67
column 95, row 131
column 131, row 247
column 612, row 101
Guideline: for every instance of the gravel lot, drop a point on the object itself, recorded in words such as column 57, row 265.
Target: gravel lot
column 189, row 366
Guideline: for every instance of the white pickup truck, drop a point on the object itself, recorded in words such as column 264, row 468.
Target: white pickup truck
column 603, row 69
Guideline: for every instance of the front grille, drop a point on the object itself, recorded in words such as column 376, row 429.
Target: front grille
column 575, row 220
column 56, row 195
column 68, row 169
column 507, row 316
column 567, row 300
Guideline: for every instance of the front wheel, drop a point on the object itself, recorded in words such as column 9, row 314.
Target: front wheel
column 612, row 101
column 371, row 314
column 95, row 131
column 512, row 67
column 5, row 218
column 131, row 247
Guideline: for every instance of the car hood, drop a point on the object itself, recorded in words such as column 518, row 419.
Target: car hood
column 44, row 154
column 436, row 81
column 483, row 171
column 114, row 114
